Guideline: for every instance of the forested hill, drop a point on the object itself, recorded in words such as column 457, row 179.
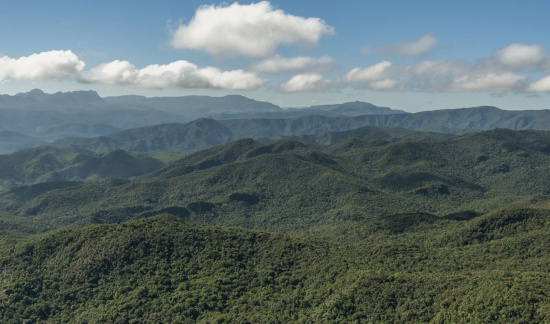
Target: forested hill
column 50, row 164
column 205, row 133
column 287, row 186
column 368, row 225
column 29, row 173
column 162, row 270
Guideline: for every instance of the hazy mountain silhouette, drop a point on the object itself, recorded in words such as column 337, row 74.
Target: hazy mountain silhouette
column 84, row 114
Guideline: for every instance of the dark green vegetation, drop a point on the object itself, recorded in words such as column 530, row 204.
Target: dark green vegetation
column 289, row 187
column 29, row 173
column 163, row 270
column 368, row 225
column 206, row 133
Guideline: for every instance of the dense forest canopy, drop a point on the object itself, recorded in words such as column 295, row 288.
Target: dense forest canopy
column 369, row 225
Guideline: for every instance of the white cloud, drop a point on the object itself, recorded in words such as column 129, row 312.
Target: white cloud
column 305, row 82
column 232, row 80
column 386, row 84
column 504, row 81
column 277, row 63
column 542, row 85
column 461, row 76
column 179, row 73
column 498, row 73
column 254, row 30
column 176, row 74
column 427, row 76
column 519, row 56
column 56, row 65
column 374, row 72
column 111, row 73
column 419, row 46
column 501, row 72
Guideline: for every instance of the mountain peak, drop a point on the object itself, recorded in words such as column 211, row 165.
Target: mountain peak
column 35, row 94
column 75, row 96
column 486, row 108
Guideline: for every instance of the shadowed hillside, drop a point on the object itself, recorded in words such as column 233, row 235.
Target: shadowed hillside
column 29, row 173
column 286, row 186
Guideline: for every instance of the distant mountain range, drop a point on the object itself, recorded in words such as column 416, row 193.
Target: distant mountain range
column 239, row 107
column 186, row 124
column 204, row 133
column 38, row 117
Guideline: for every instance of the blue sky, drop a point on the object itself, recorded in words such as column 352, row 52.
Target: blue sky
column 410, row 55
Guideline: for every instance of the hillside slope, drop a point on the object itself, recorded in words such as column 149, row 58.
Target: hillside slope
column 162, row 270
column 287, row 187
column 29, row 173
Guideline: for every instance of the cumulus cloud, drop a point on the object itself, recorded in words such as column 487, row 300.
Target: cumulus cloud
column 542, row 85
column 419, row 46
column 504, row 81
column 301, row 63
column 520, row 56
column 121, row 72
column 176, row 74
column 375, row 72
column 253, row 30
column 386, row 84
column 305, row 82
column 428, row 76
column 65, row 65
column 460, row 76
column 503, row 71
column 373, row 77
column 56, row 65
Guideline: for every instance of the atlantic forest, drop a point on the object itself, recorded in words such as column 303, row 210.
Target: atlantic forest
column 238, row 211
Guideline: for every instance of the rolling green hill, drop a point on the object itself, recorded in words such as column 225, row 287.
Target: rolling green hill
column 161, row 270
column 29, row 173
column 47, row 164
column 369, row 225
column 205, row 133
column 289, row 187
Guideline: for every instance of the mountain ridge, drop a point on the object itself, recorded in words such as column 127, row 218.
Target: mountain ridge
column 289, row 186
column 194, row 136
column 84, row 114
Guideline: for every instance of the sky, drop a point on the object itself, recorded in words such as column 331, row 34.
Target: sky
column 409, row 55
